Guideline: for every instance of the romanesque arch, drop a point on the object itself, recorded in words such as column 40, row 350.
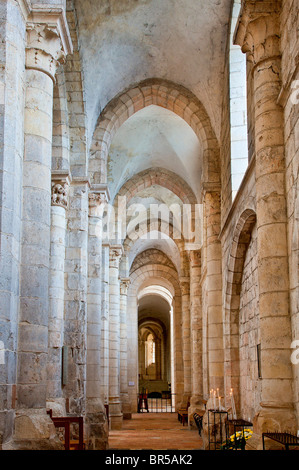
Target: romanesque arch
column 160, row 177
column 153, row 92
column 165, row 275
column 239, row 246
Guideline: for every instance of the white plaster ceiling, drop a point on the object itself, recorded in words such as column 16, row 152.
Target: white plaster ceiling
column 154, row 137
column 123, row 42
column 155, row 194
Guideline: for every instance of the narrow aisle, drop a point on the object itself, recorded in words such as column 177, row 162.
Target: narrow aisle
column 154, row 431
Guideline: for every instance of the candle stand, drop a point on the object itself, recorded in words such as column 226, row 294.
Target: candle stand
column 216, row 418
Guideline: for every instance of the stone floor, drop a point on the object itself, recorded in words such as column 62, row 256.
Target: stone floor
column 154, row 431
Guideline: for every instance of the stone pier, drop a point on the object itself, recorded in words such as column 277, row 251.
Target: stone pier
column 259, row 36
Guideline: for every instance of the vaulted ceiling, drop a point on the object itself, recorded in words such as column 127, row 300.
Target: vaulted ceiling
column 124, row 42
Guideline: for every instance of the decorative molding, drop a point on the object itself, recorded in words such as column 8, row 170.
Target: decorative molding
column 101, row 188
column 209, row 188
column 185, row 285
column 60, row 188
column 48, row 39
column 124, row 285
column 96, row 199
column 53, row 17
column 257, row 16
column 79, row 180
column 195, row 258
column 60, row 194
column 115, row 253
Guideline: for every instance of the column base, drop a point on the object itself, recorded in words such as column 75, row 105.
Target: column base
column 272, row 418
column 126, row 407
column 115, row 414
column 96, row 425
column 34, row 430
column 196, row 405
column 116, row 422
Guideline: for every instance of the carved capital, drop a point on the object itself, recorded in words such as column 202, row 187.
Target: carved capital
column 124, row 285
column 258, row 30
column 96, row 199
column 59, row 195
column 185, row 285
column 48, row 40
column 115, row 254
column 195, row 258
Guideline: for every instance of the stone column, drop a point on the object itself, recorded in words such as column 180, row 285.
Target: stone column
column 105, row 325
column 46, row 47
column 95, row 412
column 259, row 36
column 196, row 330
column 158, row 359
column 12, row 75
column 141, row 357
column 185, row 288
column 59, row 200
column 126, row 407
column 215, row 352
column 132, row 336
column 75, row 304
column 116, row 415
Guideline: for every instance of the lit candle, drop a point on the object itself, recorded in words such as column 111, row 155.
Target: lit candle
column 214, row 399
column 233, row 404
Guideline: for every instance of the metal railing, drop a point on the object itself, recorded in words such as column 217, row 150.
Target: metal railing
column 156, row 404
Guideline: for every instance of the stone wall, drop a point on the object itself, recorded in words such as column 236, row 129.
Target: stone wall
column 289, row 99
column 249, row 335
column 12, row 68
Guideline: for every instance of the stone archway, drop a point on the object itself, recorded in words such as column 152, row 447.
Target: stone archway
column 161, row 93
column 165, row 276
column 161, row 177
column 240, row 243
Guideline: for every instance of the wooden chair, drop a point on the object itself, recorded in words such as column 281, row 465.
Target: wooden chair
column 65, row 422
column 183, row 413
column 142, row 400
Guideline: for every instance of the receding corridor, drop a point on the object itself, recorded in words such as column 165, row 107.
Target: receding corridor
column 157, row 431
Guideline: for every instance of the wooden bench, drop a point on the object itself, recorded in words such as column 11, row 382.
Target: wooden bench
column 65, row 422
column 284, row 438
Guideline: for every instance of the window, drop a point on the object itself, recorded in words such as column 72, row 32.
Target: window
column 238, row 107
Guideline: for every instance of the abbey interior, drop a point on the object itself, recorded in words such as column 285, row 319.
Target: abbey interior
column 149, row 213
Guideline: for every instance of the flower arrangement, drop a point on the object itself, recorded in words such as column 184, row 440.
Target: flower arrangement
column 237, row 440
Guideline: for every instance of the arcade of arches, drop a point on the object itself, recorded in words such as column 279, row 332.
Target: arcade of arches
column 149, row 212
